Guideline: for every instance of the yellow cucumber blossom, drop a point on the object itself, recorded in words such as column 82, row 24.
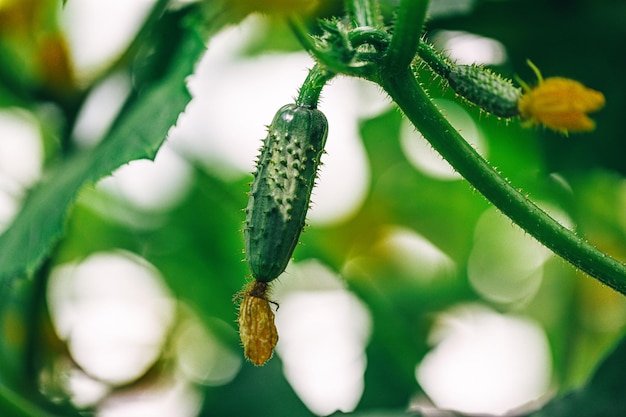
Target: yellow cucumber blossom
column 559, row 103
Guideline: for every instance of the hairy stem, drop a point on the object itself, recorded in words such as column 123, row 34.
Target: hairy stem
column 413, row 100
column 406, row 34
column 364, row 13
column 434, row 59
column 312, row 87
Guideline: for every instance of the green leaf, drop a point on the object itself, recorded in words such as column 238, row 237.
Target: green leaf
column 256, row 391
column 608, row 379
column 604, row 395
column 14, row 405
column 138, row 134
column 21, row 329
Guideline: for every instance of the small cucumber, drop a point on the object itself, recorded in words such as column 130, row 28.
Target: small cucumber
column 281, row 191
column 486, row 89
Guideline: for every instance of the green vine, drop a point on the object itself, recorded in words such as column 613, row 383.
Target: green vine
column 406, row 35
column 386, row 59
column 312, row 87
column 364, row 13
column 416, row 105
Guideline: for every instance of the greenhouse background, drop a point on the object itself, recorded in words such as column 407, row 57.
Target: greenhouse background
column 408, row 293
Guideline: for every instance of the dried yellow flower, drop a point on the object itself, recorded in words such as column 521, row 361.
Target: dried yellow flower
column 256, row 324
column 560, row 104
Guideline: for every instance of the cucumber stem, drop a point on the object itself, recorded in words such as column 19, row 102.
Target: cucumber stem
column 435, row 60
column 406, row 34
column 414, row 102
column 311, row 89
column 364, row 13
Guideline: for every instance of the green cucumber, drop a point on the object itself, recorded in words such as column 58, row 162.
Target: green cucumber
column 486, row 89
column 281, row 191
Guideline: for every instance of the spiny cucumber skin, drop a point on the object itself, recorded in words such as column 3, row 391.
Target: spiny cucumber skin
column 281, row 190
column 486, row 89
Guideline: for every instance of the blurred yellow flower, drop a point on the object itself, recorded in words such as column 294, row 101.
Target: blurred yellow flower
column 560, row 104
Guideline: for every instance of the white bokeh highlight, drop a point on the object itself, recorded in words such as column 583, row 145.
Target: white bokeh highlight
column 21, row 160
column 322, row 337
column 424, row 158
column 114, row 311
column 505, row 264
column 468, row 48
column 151, row 185
column 202, row 358
column 85, row 391
column 175, row 397
column 98, row 31
column 21, row 150
column 324, row 330
column 485, row 362
column 236, row 97
column 416, row 256
column 100, row 109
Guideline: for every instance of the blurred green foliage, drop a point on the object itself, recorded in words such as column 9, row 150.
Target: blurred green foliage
column 197, row 244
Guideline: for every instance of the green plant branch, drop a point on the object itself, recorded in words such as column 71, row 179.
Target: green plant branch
column 334, row 51
column 436, row 61
column 406, row 34
column 311, row 89
column 369, row 35
column 14, row 405
column 414, row 102
column 364, row 13
column 394, row 75
column 330, row 61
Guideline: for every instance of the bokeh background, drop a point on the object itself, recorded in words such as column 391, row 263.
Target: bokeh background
column 408, row 290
